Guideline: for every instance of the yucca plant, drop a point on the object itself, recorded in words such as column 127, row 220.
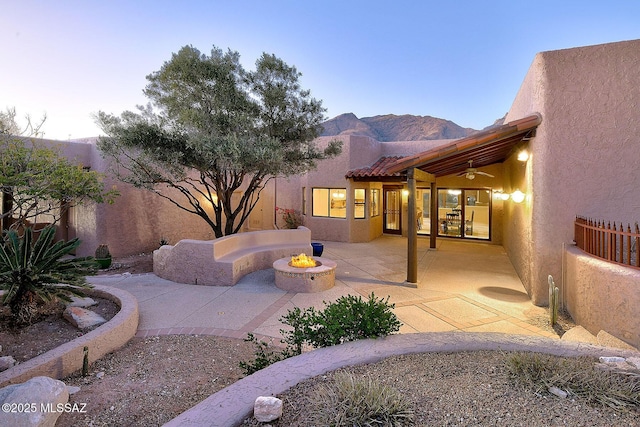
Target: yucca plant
column 33, row 272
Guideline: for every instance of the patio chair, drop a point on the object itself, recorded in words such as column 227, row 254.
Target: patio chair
column 468, row 225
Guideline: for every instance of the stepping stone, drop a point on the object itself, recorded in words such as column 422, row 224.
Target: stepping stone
column 82, row 318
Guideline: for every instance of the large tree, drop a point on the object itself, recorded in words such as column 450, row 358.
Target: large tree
column 36, row 180
column 213, row 128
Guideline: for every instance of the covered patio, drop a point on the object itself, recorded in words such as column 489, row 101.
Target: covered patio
column 465, row 286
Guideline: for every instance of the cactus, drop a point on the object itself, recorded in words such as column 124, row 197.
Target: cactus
column 85, row 362
column 103, row 252
column 553, row 301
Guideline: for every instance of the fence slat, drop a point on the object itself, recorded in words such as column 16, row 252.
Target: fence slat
column 602, row 240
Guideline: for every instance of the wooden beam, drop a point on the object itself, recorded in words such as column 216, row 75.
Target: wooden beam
column 423, row 176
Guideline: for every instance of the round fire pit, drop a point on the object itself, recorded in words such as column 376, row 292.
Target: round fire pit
column 305, row 279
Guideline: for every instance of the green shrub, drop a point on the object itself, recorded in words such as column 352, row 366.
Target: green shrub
column 349, row 318
column 350, row 401
column 33, row 272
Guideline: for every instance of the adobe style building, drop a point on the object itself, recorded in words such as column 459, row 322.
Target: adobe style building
column 576, row 115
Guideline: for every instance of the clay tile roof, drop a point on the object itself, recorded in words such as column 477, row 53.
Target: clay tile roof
column 378, row 169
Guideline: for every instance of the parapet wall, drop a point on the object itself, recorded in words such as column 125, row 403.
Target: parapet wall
column 601, row 295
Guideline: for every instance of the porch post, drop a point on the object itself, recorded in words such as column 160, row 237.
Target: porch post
column 433, row 215
column 412, row 238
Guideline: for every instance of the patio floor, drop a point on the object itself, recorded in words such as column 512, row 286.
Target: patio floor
column 464, row 286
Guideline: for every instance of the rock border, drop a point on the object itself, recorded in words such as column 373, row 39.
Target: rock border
column 231, row 405
column 67, row 358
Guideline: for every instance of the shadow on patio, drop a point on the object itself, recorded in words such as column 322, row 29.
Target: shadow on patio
column 465, row 286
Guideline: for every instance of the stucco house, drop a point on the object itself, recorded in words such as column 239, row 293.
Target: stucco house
column 577, row 117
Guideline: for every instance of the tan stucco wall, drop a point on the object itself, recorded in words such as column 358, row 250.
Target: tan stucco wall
column 137, row 220
column 585, row 155
column 602, row 296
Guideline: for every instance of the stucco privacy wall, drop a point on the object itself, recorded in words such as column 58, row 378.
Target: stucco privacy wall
column 137, row 220
column 585, row 155
column 595, row 289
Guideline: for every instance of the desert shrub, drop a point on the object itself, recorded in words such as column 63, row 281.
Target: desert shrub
column 347, row 400
column 32, row 272
column 578, row 377
column 349, row 318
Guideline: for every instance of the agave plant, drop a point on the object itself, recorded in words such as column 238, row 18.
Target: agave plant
column 31, row 272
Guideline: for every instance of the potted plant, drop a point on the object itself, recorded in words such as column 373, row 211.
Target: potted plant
column 103, row 257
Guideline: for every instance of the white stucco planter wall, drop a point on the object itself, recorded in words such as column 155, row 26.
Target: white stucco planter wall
column 601, row 295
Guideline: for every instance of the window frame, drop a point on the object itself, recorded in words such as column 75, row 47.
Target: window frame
column 329, row 200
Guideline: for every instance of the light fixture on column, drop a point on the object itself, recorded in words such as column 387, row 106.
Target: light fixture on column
column 517, row 196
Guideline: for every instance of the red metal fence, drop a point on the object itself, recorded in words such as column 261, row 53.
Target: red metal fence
column 608, row 242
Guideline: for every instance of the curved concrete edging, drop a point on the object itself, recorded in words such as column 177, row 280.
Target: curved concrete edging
column 231, row 405
column 67, row 358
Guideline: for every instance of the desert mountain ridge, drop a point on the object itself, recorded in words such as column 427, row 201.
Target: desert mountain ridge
column 391, row 127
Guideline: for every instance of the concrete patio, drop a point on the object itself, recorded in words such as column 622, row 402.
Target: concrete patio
column 465, row 286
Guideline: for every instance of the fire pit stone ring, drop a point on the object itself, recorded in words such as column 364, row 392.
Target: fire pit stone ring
column 305, row 279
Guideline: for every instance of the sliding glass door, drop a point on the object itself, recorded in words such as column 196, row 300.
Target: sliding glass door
column 464, row 213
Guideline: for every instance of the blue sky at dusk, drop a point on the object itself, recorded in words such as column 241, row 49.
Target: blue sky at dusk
column 458, row 60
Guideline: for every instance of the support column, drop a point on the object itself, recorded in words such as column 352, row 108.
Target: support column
column 433, row 215
column 412, row 238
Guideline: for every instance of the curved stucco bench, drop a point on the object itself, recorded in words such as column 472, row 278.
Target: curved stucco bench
column 224, row 261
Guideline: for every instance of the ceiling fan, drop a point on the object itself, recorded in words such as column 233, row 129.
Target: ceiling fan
column 471, row 172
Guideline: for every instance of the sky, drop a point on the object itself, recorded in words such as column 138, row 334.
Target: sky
column 461, row 60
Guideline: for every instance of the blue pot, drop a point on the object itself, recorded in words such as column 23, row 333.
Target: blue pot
column 317, row 248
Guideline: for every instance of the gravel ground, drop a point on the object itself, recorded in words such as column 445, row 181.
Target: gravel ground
column 459, row 389
column 152, row 380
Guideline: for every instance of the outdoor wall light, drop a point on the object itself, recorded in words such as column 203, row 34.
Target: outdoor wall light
column 499, row 194
column 405, row 192
column 517, row 196
column 523, row 156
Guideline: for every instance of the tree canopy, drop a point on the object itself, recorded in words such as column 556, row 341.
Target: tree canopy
column 36, row 180
column 213, row 129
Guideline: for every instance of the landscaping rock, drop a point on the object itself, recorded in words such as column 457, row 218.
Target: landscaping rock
column 558, row 392
column 6, row 362
column 37, row 393
column 71, row 389
column 579, row 334
column 635, row 361
column 82, row 318
column 267, row 408
column 83, row 302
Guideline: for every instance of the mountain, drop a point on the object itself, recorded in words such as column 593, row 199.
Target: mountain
column 395, row 128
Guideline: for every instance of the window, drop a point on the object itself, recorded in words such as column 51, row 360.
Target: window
column 329, row 202
column 359, row 203
column 374, row 203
